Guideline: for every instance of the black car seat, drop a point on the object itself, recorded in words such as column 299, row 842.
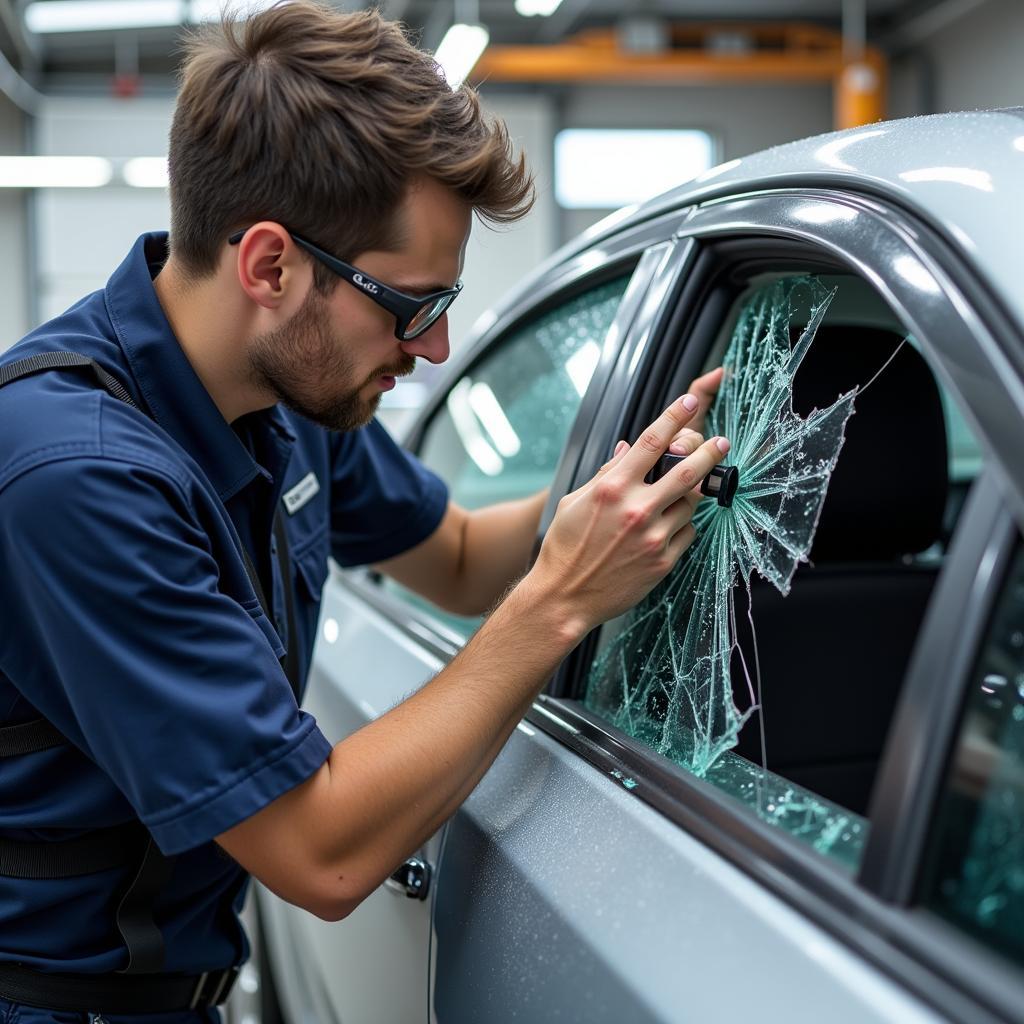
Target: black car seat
column 833, row 653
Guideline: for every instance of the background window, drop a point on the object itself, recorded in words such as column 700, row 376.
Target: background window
column 975, row 876
column 770, row 661
column 598, row 168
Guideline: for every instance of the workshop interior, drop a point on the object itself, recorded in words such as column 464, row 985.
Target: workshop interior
column 309, row 713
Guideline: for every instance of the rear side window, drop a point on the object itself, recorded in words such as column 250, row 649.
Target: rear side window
column 502, row 428
column 770, row 661
column 503, row 425
column 975, row 877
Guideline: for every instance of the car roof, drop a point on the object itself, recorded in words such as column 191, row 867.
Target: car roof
column 960, row 172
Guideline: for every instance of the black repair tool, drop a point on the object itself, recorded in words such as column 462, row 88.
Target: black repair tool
column 720, row 483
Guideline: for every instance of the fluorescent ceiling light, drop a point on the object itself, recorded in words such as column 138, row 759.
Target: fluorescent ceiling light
column 460, row 50
column 467, row 426
column 603, row 169
column 530, row 8
column 581, row 366
column 89, row 15
column 48, row 16
column 54, row 171
column 146, row 172
column 489, row 412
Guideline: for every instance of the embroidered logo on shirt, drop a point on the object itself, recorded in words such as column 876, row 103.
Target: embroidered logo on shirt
column 306, row 489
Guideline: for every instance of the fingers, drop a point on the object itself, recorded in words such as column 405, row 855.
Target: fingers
column 686, row 442
column 620, row 450
column 681, row 511
column 654, row 441
column 680, row 542
column 706, row 387
column 689, row 473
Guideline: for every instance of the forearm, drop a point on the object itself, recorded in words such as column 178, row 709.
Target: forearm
column 329, row 842
column 497, row 545
column 387, row 788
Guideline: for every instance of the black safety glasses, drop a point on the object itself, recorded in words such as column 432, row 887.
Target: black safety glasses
column 413, row 314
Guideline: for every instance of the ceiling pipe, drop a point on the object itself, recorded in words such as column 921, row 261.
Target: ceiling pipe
column 19, row 91
column 859, row 93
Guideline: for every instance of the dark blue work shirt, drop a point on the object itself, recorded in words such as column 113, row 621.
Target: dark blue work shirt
column 128, row 621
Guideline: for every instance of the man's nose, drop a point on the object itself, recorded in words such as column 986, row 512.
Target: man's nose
column 432, row 344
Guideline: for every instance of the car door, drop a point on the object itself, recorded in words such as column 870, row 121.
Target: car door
column 605, row 871
column 497, row 430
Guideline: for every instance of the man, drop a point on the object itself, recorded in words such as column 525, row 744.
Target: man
column 165, row 526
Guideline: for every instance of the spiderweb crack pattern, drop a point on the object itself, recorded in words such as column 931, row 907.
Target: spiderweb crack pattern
column 665, row 676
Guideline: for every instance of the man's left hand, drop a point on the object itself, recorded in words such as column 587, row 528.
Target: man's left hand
column 691, row 437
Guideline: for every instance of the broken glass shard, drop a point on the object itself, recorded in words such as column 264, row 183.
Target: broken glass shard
column 663, row 673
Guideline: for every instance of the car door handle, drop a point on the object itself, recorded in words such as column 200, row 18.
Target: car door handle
column 412, row 879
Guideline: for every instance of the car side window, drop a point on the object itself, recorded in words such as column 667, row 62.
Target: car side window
column 749, row 666
column 975, row 867
column 501, row 430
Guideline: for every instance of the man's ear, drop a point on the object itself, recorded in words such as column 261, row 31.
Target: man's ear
column 270, row 265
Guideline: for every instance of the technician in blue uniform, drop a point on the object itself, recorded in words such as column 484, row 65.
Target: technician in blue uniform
column 169, row 497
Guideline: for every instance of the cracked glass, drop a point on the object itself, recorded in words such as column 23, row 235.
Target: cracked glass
column 665, row 672
column 976, row 873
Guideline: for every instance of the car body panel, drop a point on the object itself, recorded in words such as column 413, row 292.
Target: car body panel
column 562, row 896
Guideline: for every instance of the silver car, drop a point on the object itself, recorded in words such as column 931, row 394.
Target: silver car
column 789, row 786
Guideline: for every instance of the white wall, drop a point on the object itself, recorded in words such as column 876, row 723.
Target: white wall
column 498, row 258
column 83, row 234
column 979, row 59
column 741, row 119
column 15, row 271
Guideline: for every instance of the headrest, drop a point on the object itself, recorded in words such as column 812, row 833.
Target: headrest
column 887, row 494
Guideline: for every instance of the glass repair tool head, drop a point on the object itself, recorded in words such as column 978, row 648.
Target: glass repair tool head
column 721, row 483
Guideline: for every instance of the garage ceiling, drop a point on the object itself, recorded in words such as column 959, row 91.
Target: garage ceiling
column 79, row 58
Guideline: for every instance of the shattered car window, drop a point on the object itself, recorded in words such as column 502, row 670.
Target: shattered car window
column 663, row 673
column 977, row 858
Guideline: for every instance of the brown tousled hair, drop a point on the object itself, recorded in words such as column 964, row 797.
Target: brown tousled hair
column 319, row 120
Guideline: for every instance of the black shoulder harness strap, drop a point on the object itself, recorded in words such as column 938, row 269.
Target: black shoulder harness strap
column 129, row 844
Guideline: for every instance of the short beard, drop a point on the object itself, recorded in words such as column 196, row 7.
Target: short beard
column 309, row 369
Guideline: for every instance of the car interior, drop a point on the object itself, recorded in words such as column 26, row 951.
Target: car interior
column 816, row 674
column 833, row 653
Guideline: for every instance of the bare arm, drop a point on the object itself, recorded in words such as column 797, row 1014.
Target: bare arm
column 468, row 562
column 384, row 790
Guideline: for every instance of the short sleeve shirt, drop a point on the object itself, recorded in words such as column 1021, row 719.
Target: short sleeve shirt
column 128, row 621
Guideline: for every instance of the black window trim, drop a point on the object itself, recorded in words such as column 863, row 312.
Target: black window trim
column 927, row 719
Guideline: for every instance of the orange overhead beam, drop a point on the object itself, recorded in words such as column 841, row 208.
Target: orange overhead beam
column 568, row 64
column 761, row 53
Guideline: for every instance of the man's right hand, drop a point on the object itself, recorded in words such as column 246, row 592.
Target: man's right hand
column 613, row 540
column 327, row 843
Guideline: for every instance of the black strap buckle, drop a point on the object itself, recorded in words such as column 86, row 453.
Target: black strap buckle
column 213, row 987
